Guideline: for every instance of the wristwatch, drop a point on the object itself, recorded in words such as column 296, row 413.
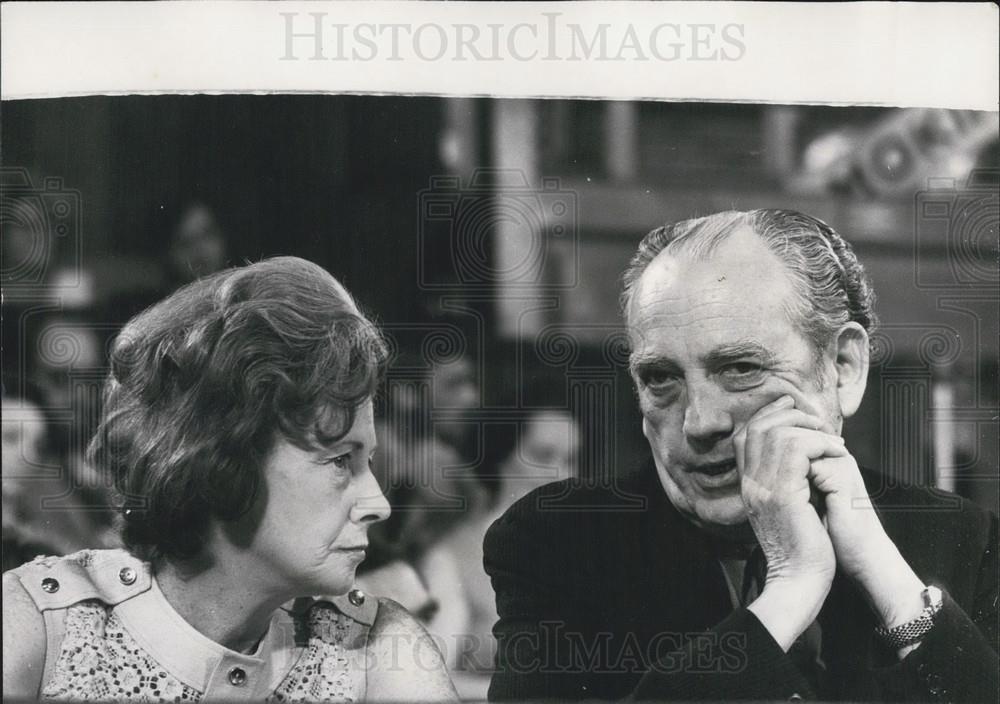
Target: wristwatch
column 913, row 631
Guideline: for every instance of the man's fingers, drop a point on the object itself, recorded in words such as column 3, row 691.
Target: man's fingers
column 814, row 444
column 788, row 401
column 791, row 417
column 754, row 440
column 839, row 473
column 778, row 415
column 778, row 404
column 782, row 455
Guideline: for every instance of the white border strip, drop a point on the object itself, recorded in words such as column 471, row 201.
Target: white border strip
column 877, row 53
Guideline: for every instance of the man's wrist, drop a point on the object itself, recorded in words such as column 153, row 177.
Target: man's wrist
column 893, row 589
column 914, row 630
column 787, row 609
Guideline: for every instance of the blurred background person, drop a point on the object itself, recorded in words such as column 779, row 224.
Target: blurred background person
column 540, row 447
column 428, row 445
column 188, row 241
column 197, row 245
column 47, row 510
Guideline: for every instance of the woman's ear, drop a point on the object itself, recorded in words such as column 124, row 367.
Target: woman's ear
column 851, row 367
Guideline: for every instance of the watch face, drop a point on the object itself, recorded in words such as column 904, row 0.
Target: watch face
column 933, row 599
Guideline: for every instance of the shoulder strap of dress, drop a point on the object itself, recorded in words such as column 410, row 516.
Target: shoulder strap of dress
column 110, row 576
column 357, row 605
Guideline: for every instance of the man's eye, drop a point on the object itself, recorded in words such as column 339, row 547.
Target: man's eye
column 742, row 373
column 657, row 378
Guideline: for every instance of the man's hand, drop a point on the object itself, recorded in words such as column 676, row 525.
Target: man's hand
column 854, row 527
column 775, row 452
column 865, row 553
column 787, row 455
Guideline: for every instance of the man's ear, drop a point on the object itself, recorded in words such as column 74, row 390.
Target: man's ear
column 851, row 365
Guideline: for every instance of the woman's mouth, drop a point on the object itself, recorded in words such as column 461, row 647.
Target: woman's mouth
column 358, row 552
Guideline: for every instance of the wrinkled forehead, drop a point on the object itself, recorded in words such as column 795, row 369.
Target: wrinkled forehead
column 739, row 288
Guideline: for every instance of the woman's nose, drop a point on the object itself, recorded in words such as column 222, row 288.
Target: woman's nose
column 371, row 506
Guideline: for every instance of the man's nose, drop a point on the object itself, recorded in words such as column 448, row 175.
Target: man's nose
column 706, row 417
column 371, row 506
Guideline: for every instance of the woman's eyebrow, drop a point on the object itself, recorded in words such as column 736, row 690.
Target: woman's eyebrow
column 352, row 445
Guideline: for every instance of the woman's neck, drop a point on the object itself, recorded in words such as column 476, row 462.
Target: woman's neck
column 219, row 601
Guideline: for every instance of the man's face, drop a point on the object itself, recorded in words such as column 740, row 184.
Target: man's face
column 198, row 247
column 548, row 448
column 712, row 343
column 454, row 394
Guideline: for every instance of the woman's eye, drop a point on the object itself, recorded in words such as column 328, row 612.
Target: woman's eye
column 339, row 461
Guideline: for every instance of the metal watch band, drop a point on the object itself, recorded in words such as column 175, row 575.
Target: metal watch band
column 907, row 634
column 913, row 631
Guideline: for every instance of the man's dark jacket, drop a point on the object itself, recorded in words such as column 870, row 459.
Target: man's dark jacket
column 607, row 591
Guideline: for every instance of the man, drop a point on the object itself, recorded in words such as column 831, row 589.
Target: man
column 756, row 566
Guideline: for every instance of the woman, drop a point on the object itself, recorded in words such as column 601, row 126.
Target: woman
column 238, row 429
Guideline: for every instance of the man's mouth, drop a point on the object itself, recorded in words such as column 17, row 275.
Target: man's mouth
column 715, row 475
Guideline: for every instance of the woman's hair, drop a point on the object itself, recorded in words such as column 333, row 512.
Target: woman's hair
column 203, row 383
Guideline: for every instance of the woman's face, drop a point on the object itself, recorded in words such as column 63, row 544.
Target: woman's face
column 314, row 510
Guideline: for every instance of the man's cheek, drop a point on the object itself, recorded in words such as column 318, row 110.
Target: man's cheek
column 802, row 389
column 656, row 418
column 748, row 403
column 662, row 432
column 658, row 404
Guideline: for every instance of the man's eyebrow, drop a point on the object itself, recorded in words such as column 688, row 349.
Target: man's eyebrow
column 738, row 350
column 741, row 349
column 638, row 360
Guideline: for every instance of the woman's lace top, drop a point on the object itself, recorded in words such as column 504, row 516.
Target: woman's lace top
column 99, row 660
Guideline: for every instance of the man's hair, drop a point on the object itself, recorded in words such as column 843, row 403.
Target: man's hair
column 205, row 382
column 833, row 287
